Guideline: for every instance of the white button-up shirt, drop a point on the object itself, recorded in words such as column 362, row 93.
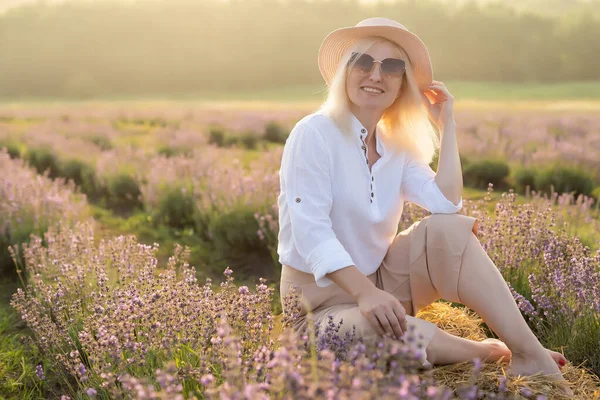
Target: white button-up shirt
column 333, row 211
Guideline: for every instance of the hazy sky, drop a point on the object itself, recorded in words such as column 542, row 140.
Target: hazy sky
column 6, row 4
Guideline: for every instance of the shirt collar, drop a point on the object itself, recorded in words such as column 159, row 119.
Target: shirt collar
column 359, row 129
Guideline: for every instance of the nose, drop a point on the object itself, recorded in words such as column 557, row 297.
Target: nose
column 375, row 74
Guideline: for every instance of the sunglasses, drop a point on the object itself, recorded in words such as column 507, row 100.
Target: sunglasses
column 393, row 67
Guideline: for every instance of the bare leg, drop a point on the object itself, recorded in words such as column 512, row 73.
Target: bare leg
column 463, row 349
column 482, row 288
column 488, row 350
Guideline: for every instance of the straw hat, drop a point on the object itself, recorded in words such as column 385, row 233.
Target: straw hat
column 337, row 43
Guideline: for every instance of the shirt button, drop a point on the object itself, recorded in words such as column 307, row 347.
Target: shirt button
column 297, row 199
column 363, row 130
column 372, row 178
column 371, row 200
column 363, row 147
column 372, row 194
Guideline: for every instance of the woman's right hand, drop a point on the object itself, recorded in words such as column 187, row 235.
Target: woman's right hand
column 385, row 312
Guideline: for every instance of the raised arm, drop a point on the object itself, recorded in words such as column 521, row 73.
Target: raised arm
column 419, row 186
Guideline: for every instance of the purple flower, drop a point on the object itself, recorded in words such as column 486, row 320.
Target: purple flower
column 243, row 290
column 526, row 392
column 207, row 379
column 477, row 364
column 39, row 371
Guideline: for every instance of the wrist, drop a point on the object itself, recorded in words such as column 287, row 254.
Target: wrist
column 449, row 124
column 366, row 290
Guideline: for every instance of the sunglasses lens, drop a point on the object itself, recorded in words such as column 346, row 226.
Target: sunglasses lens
column 393, row 67
column 364, row 63
column 389, row 66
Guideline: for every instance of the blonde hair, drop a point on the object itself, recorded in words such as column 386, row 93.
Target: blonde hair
column 405, row 123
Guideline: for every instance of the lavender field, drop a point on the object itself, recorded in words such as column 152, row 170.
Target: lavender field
column 138, row 255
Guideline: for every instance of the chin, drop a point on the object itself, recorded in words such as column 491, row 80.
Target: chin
column 372, row 106
column 374, row 103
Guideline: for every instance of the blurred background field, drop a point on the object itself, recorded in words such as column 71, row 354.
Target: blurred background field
column 109, row 48
column 167, row 120
column 579, row 94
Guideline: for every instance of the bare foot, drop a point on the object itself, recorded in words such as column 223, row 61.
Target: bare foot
column 544, row 362
column 499, row 349
column 558, row 358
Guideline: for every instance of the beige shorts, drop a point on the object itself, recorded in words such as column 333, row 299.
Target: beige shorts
column 421, row 266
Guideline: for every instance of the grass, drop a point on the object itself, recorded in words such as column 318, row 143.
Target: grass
column 17, row 359
column 561, row 95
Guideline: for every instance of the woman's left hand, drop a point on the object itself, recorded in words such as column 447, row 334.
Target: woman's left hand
column 439, row 103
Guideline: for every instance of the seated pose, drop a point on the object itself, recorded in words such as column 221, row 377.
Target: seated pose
column 345, row 173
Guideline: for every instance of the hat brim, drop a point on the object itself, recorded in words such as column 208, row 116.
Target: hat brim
column 337, row 43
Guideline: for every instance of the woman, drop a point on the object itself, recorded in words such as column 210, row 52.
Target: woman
column 346, row 171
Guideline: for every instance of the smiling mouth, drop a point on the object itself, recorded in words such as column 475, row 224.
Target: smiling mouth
column 371, row 90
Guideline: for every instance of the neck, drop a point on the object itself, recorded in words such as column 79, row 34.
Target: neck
column 368, row 117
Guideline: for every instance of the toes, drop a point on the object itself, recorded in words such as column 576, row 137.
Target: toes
column 560, row 360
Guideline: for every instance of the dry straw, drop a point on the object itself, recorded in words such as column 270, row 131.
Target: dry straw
column 465, row 323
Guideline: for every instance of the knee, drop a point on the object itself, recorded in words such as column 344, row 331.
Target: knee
column 445, row 217
column 452, row 223
column 444, row 222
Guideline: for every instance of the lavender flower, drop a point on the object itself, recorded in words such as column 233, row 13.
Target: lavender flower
column 39, row 371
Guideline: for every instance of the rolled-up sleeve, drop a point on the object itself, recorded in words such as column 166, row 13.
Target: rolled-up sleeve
column 305, row 170
column 419, row 186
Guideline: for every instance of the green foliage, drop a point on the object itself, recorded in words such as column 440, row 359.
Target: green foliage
column 582, row 341
column 8, row 269
column 123, row 192
column 17, row 357
column 177, row 208
column 578, row 338
column 140, row 124
column 479, row 173
column 233, row 236
column 13, row 148
column 235, row 230
column 172, row 151
column 230, row 140
column 102, row 141
column 596, row 193
column 249, row 140
column 275, row 133
column 83, row 174
column 216, row 137
column 564, row 179
column 524, row 176
column 42, row 159
column 16, row 235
